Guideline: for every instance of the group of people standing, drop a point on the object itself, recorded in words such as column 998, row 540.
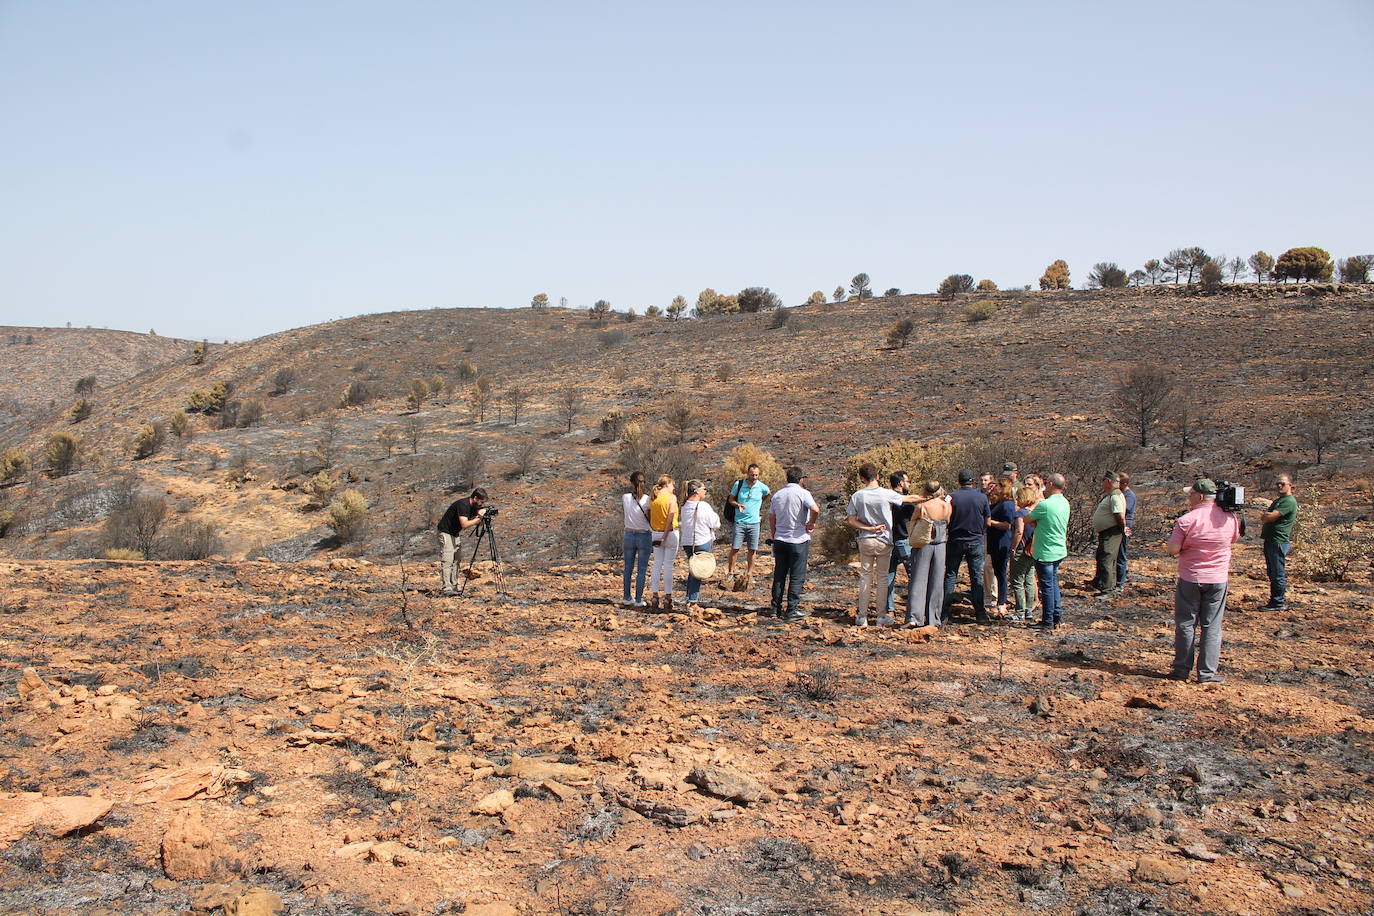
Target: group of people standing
column 1005, row 530
column 1008, row 530
column 656, row 524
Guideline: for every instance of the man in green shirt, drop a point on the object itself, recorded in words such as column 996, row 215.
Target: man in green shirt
column 1109, row 521
column 1049, row 547
column 1277, row 535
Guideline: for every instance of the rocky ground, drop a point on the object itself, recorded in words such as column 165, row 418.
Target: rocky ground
column 244, row 737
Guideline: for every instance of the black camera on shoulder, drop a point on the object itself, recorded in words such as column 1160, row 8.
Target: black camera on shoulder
column 1230, row 496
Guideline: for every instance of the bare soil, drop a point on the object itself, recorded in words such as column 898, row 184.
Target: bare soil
column 977, row 770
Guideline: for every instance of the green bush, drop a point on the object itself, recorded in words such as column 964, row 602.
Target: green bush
column 921, row 462
column 347, row 515
column 79, row 411
column 13, row 463
column 981, row 310
column 62, row 452
column 147, row 440
column 835, row 539
column 320, row 488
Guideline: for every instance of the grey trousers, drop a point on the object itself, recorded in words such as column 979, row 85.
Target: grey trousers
column 1198, row 607
column 927, row 596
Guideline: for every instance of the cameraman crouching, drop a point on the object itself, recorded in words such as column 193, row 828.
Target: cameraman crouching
column 461, row 515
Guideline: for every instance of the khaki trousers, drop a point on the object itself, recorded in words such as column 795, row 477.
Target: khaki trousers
column 449, row 557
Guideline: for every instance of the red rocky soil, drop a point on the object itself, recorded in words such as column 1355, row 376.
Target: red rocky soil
column 246, row 736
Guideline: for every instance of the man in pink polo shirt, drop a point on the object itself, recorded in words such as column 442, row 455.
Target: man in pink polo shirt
column 1202, row 541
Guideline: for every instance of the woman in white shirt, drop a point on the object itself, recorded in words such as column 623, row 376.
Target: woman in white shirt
column 698, row 526
column 638, row 541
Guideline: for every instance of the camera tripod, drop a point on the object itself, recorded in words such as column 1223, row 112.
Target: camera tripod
column 484, row 530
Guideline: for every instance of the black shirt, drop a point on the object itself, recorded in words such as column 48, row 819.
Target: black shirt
column 462, row 508
column 901, row 518
column 968, row 520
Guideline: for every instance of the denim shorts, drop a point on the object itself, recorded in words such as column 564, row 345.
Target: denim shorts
column 743, row 529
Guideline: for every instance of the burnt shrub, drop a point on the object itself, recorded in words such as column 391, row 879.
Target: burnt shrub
column 191, row 540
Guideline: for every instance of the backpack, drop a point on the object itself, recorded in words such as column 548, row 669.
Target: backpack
column 729, row 506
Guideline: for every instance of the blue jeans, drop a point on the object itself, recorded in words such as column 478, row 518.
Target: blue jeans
column 693, row 583
column 1121, row 562
column 972, row 552
column 789, row 574
column 1276, row 568
column 1047, row 575
column 743, row 531
column 638, row 546
column 901, row 556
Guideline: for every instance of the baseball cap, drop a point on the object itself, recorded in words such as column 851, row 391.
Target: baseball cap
column 1203, row 486
column 1010, row 466
column 965, row 477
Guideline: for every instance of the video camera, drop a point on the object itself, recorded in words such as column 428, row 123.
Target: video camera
column 491, row 512
column 1230, row 496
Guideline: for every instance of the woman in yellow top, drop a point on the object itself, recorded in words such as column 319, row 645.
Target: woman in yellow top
column 663, row 519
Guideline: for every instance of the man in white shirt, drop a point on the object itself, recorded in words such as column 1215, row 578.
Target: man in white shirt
column 791, row 519
column 870, row 513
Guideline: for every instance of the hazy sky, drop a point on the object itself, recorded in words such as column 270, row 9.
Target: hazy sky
column 232, row 169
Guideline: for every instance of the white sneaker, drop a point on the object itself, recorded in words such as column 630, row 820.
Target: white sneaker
column 639, row 603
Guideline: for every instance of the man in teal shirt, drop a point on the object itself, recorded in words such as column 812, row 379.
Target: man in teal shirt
column 746, row 496
column 1277, row 535
column 1049, row 547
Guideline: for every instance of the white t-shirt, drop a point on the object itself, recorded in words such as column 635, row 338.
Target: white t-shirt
column 873, row 506
column 791, row 508
column 698, row 523
column 635, row 519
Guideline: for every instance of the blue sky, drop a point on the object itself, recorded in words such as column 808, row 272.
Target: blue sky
column 229, row 170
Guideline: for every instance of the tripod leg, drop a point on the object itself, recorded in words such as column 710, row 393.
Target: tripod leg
column 496, row 562
column 467, row 574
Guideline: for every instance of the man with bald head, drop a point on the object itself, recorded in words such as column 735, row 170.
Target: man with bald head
column 1049, row 546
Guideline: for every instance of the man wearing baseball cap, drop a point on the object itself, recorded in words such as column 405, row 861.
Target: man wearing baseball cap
column 1201, row 540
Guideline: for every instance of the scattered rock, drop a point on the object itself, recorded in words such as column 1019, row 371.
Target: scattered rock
column 190, row 851
column 495, row 803
column 560, row 791
column 33, row 690
column 1199, row 852
column 726, row 784
column 1143, row 702
column 1159, row 871
column 60, row 814
column 209, row 897
column 489, row 909
column 672, row 815
column 198, row 781
column 539, row 770
column 1042, row 705
column 255, row 902
column 391, row 853
column 327, row 721
column 358, row 850
column 422, row 753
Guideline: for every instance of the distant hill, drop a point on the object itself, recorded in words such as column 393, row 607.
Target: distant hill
column 39, row 367
column 813, row 385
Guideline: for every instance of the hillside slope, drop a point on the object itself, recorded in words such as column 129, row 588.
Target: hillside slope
column 813, row 385
column 39, row 367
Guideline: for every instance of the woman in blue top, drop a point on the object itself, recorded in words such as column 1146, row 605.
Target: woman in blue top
column 999, row 537
column 1022, row 563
